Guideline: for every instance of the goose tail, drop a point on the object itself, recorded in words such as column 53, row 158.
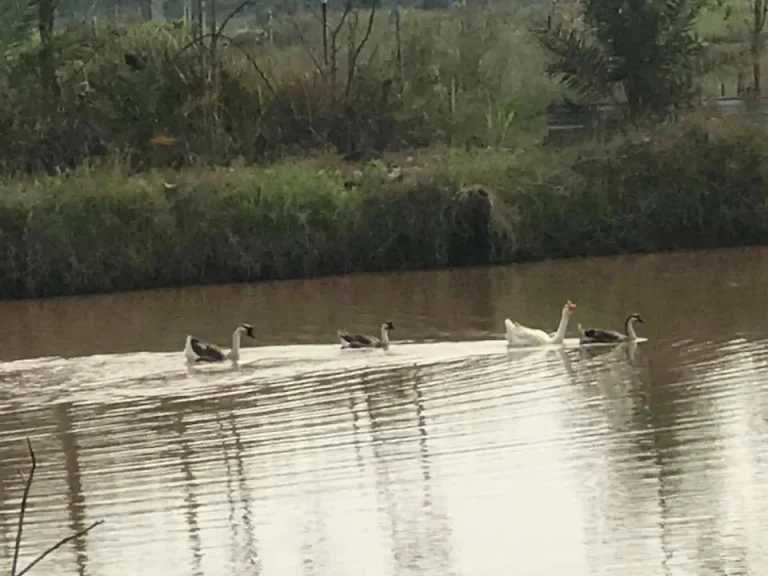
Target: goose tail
column 343, row 338
column 509, row 331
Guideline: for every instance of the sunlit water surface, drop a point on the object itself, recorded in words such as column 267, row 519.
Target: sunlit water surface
column 445, row 455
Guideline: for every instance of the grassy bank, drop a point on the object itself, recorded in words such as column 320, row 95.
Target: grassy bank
column 700, row 183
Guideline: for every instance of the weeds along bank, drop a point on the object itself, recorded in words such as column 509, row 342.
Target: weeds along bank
column 701, row 183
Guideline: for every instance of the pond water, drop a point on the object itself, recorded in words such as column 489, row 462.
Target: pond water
column 446, row 455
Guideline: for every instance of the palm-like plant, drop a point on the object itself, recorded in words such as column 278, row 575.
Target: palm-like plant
column 644, row 50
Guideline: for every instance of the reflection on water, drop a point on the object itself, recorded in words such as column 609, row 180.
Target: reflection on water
column 442, row 458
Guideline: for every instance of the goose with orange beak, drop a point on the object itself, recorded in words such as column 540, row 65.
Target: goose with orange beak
column 522, row 336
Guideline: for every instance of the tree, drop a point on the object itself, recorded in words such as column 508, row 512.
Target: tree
column 645, row 51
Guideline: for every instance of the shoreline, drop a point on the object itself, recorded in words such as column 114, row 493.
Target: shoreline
column 522, row 264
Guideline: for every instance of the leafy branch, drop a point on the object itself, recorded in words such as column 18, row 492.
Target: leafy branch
column 580, row 64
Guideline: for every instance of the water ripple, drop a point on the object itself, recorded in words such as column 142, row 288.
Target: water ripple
column 437, row 458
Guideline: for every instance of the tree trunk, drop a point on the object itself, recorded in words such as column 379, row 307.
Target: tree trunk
column 46, row 14
column 756, row 73
column 758, row 7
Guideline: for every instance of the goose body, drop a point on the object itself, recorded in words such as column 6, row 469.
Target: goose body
column 198, row 351
column 349, row 340
column 602, row 336
column 521, row 336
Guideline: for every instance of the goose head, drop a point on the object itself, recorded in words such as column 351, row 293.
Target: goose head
column 568, row 308
column 635, row 318
column 248, row 330
column 387, row 326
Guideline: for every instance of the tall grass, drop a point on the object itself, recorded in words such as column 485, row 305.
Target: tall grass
column 701, row 183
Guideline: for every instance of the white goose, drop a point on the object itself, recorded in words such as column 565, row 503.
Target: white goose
column 520, row 336
column 197, row 351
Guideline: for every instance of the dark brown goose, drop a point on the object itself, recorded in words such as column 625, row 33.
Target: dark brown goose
column 601, row 336
column 349, row 340
column 198, row 351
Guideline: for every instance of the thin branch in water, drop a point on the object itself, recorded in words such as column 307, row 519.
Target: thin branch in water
column 58, row 545
column 23, row 510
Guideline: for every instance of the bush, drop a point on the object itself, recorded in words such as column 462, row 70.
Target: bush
column 105, row 231
column 694, row 185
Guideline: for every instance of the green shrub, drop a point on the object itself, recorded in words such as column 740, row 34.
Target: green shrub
column 698, row 184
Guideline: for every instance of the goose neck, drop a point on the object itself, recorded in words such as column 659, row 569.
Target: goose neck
column 630, row 329
column 234, row 353
column 562, row 327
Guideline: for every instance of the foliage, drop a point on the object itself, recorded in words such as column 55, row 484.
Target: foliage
column 645, row 52
column 700, row 183
column 151, row 94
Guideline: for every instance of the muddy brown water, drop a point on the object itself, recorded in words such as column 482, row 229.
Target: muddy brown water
column 447, row 455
